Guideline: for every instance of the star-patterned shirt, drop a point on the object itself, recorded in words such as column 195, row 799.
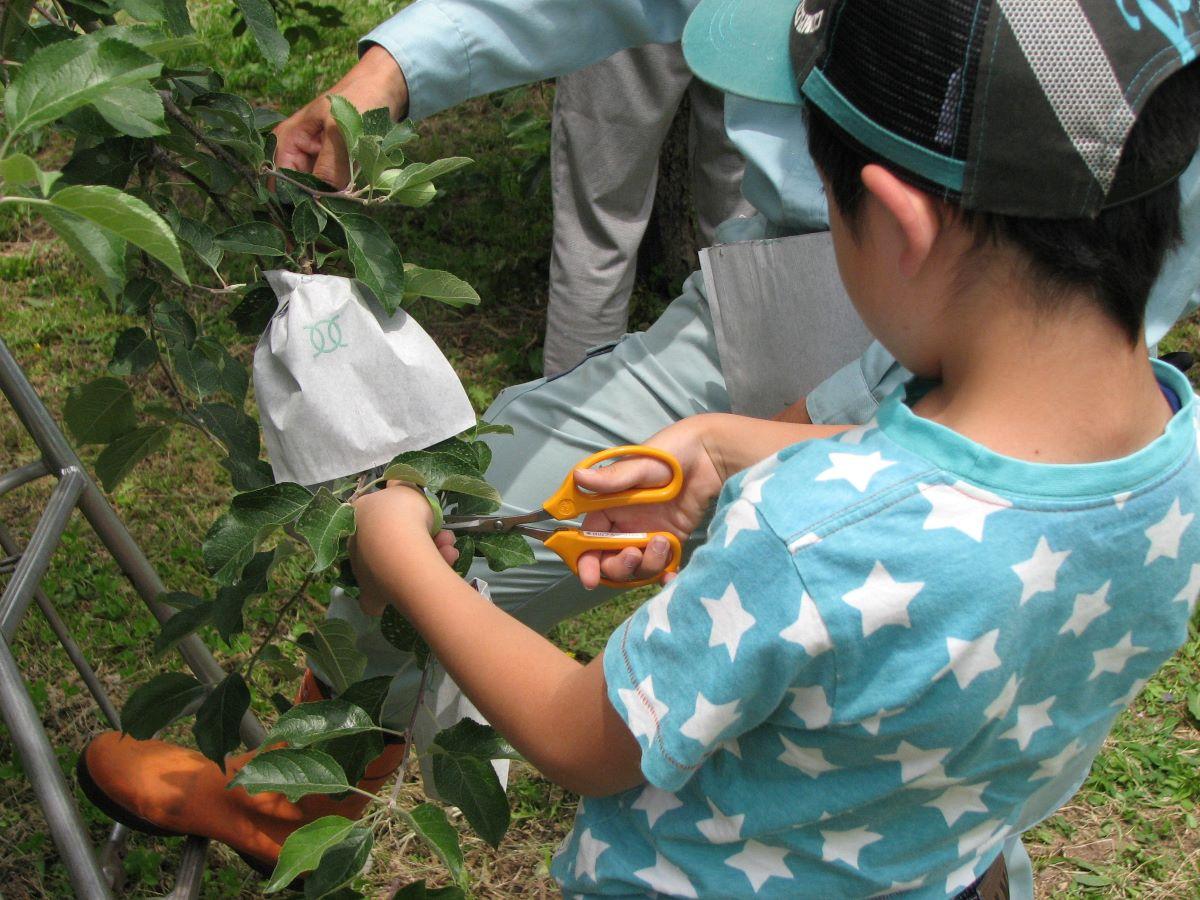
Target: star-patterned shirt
column 896, row 650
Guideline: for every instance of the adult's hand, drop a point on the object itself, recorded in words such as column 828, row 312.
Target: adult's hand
column 309, row 141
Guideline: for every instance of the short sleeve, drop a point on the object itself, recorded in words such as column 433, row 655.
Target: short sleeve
column 717, row 651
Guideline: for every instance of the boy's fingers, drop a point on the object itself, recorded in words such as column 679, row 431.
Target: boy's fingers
column 621, row 476
column 588, row 568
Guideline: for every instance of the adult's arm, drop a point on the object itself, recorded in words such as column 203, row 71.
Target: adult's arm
column 452, row 50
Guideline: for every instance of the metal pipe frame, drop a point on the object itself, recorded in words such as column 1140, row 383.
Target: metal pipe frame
column 91, row 876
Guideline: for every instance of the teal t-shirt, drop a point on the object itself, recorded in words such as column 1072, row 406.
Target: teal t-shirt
column 895, row 650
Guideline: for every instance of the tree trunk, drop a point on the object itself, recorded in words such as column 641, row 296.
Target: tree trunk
column 669, row 250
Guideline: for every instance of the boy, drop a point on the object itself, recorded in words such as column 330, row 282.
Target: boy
column 901, row 646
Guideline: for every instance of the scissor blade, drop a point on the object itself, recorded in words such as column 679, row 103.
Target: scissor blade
column 492, row 524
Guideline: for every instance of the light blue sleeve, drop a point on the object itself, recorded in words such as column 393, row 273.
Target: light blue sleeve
column 452, row 50
column 853, row 393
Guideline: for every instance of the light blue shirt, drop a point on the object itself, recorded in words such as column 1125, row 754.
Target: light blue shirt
column 452, row 50
column 896, row 651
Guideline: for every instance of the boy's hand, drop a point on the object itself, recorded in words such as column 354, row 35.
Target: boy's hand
column 385, row 523
column 681, row 516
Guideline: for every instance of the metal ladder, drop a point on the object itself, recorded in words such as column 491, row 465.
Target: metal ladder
column 93, row 873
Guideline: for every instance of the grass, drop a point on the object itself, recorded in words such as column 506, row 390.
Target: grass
column 1130, row 832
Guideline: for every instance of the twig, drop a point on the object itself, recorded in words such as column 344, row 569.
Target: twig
column 352, row 196
column 166, row 162
column 283, row 611
column 408, row 731
column 177, row 392
column 48, row 16
column 222, row 154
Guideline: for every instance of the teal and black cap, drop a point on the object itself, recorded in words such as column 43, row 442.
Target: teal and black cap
column 1018, row 107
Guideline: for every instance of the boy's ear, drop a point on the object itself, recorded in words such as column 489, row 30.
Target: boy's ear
column 913, row 211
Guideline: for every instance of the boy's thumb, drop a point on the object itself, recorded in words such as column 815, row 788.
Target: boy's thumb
column 621, row 476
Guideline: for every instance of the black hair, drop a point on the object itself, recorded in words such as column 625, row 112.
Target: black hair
column 1115, row 257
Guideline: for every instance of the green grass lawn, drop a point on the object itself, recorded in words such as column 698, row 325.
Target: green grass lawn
column 1131, row 830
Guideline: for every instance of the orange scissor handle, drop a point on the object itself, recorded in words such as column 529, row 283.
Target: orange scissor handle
column 570, row 544
column 570, row 500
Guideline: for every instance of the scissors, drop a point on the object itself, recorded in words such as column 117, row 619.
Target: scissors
column 570, row 501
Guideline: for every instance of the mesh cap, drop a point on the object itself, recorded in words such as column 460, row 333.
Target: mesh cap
column 1018, row 107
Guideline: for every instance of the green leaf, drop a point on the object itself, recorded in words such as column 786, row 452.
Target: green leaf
column 173, row 12
column 259, row 238
column 460, row 450
column 304, row 847
column 127, row 450
column 236, row 430
column 483, row 455
column 217, row 719
column 227, row 607
column 332, row 649
column 504, row 551
column 482, row 428
column 473, row 738
column 159, row 702
column 20, row 170
column 134, row 353
column 110, row 162
column 196, row 369
column 68, row 75
column 416, row 174
column 100, row 411
column 465, row 543
column 349, row 121
column 320, row 720
column 102, row 252
column 375, row 258
column 431, row 825
column 405, row 472
column 175, row 324
column 438, row 285
column 180, row 625
column 254, row 311
column 415, row 197
column 135, row 110
column 1193, row 704
column 400, row 134
column 401, row 634
column 293, row 773
column 369, row 695
column 125, row 217
column 136, row 296
column 202, row 239
column 431, row 468
column 340, row 864
column 253, row 516
column 378, row 122
column 472, row 785
column 325, row 523
column 247, row 474
column 307, row 222
column 471, row 486
column 260, row 19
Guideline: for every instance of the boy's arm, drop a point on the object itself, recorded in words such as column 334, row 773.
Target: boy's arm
column 552, row 709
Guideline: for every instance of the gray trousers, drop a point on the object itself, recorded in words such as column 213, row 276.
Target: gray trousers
column 610, row 122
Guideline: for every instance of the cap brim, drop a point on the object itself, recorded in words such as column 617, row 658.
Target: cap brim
column 741, row 46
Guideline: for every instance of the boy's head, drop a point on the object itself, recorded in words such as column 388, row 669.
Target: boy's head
column 1046, row 135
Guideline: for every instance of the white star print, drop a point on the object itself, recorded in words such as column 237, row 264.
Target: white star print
column 666, row 878
column 732, row 747
column 1132, row 694
column 960, row 506
column 760, row 862
column 899, row 887
column 644, row 710
column 656, row 803
column 721, row 829
column 809, row 629
column 1052, row 766
column 656, row 612
column 961, row 878
column 955, row 802
column 915, row 762
column 999, row 707
column 970, row 659
column 1088, row 608
column 1114, row 659
column 1030, row 720
column 1119, row 500
column 1039, row 573
column 729, row 621
column 1191, row 590
column 756, row 477
column 811, row 705
column 854, row 468
column 845, row 846
column 590, row 849
column 710, row 719
column 883, row 600
column 1165, row 535
column 980, row 838
column 741, row 516
column 872, row 723
column 809, row 760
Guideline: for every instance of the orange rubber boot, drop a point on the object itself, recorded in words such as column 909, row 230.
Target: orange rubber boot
column 163, row 789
